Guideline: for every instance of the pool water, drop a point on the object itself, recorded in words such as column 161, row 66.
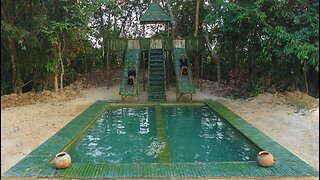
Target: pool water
column 197, row 134
column 120, row 135
column 129, row 135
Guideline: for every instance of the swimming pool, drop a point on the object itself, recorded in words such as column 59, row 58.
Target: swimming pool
column 129, row 135
column 159, row 140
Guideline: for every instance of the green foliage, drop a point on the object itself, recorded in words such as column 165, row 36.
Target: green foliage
column 264, row 42
column 87, row 59
column 5, row 72
column 256, row 91
column 185, row 13
column 51, row 67
column 267, row 37
column 36, row 28
column 19, row 34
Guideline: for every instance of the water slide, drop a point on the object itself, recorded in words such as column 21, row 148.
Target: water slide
column 132, row 57
column 184, row 86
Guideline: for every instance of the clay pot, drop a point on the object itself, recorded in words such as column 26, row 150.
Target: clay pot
column 62, row 160
column 265, row 159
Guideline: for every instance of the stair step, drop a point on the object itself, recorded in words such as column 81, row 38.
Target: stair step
column 156, row 61
column 155, row 77
column 156, row 56
column 155, row 92
column 157, row 100
column 156, row 70
column 158, row 73
column 162, row 96
column 156, row 65
column 153, row 51
column 155, row 83
column 157, row 88
column 156, row 95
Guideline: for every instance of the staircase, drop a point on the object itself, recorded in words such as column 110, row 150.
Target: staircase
column 156, row 80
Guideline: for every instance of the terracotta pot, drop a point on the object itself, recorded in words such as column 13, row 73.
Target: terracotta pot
column 62, row 160
column 265, row 159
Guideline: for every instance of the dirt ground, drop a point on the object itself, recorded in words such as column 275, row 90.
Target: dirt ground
column 291, row 119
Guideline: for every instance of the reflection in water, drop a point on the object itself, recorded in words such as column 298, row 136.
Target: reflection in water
column 144, row 124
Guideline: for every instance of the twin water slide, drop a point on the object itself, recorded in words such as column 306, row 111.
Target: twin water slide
column 184, row 86
column 132, row 57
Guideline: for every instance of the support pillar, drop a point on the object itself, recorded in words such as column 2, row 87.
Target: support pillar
column 168, row 68
column 144, row 70
column 108, row 69
column 143, row 62
column 201, row 78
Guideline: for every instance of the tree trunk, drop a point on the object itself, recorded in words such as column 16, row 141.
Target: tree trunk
column 306, row 81
column 61, row 75
column 218, row 63
column 19, row 82
column 196, row 32
column 196, row 69
column 213, row 55
column 215, row 58
column 168, row 69
column 56, row 82
column 316, row 88
column 196, row 60
column 62, row 66
column 13, row 57
column 105, row 51
column 173, row 22
column 107, row 64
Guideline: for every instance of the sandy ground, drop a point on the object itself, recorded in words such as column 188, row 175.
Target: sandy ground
column 26, row 127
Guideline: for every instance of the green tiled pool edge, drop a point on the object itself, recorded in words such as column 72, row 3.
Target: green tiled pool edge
column 37, row 163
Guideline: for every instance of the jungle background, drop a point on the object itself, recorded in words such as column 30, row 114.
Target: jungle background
column 251, row 46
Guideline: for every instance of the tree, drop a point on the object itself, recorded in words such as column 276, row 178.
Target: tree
column 64, row 33
column 13, row 33
column 262, row 40
column 196, row 32
column 173, row 22
column 211, row 45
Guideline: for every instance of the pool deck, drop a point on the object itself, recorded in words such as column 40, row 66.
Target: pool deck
column 38, row 164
